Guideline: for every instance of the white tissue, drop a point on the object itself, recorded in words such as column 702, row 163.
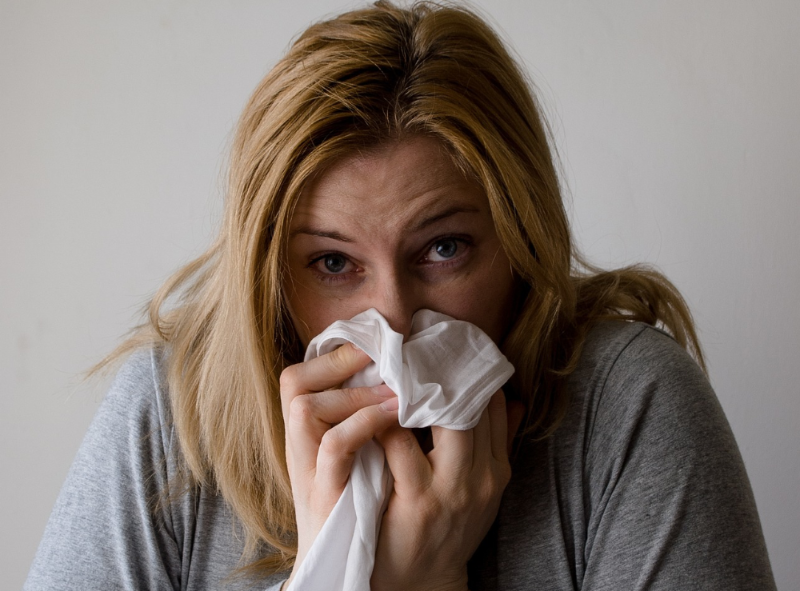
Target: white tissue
column 444, row 374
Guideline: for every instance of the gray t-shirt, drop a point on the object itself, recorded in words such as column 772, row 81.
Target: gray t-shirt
column 641, row 487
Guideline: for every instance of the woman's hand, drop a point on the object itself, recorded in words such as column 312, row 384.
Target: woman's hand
column 443, row 503
column 325, row 426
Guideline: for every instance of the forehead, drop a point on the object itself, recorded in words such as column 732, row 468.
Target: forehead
column 395, row 183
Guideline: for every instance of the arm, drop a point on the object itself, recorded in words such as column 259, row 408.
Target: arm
column 106, row 530
column 669, row 502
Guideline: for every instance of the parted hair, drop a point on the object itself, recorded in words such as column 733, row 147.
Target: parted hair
column 353, row 82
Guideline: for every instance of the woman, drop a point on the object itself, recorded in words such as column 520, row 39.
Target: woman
column 395, row 159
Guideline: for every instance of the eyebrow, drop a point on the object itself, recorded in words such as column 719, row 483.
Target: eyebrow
column 445, row 214
column 323, row 233
column 333, row 234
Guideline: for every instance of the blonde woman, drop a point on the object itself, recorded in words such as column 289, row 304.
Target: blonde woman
column 395, row 159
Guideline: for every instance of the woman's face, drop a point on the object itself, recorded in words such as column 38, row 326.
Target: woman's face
column 398, row 229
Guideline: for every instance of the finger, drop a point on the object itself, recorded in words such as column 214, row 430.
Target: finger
column 331, row 369
column 334, row 406
column 410, row 467
column 452, row 451
column 311, row 416
column 340, row 443
column 482, row 441
column 498, row 421
column 321, row 373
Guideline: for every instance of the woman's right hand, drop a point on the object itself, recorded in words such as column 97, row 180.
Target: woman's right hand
column 325, row 426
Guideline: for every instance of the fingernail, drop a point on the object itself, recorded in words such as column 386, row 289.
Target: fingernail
column 390, row 405
column 383, row 390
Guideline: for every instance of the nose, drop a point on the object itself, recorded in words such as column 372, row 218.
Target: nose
column 397, row 297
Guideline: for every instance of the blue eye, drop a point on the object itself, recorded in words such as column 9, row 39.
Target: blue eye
column 334, row 263
column 444, row 249
column 333, row 267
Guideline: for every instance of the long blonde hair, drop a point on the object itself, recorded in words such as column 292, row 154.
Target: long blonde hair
column 366, row 77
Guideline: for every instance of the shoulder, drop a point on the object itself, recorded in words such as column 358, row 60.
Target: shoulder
column 659, row 470
column 140, row 384
column 635, row 379
column 633, row 349
column 128, row 514
column 128, row 446
column 107, row 507
column 134, row 417
column 641, row 485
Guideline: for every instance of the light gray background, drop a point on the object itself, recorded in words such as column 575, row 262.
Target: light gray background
column 677, row 123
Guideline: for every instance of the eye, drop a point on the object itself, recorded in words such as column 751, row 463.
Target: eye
column 443, row 249
column 333, row 263
column 333, row 267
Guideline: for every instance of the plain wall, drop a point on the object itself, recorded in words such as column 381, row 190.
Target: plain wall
column 677, row 124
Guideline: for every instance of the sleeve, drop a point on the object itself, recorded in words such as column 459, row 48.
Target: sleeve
column 109, row 528
column 669, row 502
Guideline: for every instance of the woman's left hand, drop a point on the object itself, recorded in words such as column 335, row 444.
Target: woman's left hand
column 443, row 503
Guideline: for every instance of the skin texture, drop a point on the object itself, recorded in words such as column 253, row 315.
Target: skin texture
column 380, row 213
column 398, row 229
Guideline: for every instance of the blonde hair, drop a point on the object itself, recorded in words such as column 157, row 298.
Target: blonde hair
column 358, row 80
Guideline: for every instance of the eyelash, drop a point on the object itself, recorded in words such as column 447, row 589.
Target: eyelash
column 331, row 278
column 464, row 243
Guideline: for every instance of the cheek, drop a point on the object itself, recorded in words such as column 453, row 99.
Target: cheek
column 312, row 311
column 483, row 298
column 306, row 309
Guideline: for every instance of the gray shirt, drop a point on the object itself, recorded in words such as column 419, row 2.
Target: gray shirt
column 641, row 487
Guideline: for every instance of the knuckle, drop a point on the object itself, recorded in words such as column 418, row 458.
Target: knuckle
column 301, row 409
column 341, row 357
column 486, row 492
column 288, row 377
column 462, row 499
column 330, row 361
column 332, row 444
column 493, row 485
column 353, row 395
column 504, row 474
column 402, row 441
column 366, row 418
